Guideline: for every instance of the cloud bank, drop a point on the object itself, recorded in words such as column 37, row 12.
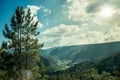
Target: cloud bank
column 34, row 12
column 85, row 25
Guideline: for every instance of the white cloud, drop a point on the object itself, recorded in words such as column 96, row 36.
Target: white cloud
column 34, row 10
column 91, row 29
column 45, row 10
column 76, row 10
column 59, row 35
column 68, row 0
column 114, row 32
column 65, row 35
column 115, row 20
column 87, row 10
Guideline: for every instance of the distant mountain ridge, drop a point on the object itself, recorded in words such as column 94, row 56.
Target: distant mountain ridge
column 107, row 68
column 70, row 55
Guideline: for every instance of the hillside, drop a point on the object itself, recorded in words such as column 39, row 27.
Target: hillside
column 69, row 55
column 104, row 69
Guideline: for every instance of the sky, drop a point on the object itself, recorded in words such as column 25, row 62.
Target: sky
column 69, row 22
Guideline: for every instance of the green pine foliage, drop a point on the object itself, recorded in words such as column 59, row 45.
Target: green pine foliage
column 20, row 57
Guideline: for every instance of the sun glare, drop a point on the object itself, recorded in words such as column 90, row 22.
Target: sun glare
column 106, row 12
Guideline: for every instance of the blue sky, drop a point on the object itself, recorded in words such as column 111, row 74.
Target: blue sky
column 69, row 22
column 7, row 9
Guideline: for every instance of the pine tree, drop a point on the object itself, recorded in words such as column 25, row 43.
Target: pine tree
column 6, row 65
column 22, row 43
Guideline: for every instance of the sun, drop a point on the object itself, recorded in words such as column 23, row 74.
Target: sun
column 106, row 12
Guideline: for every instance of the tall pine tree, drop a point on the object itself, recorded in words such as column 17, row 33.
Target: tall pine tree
column 22, row 43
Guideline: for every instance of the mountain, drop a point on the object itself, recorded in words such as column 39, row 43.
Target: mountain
column 109, row 63
column 107, row 68
column 69, row 55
